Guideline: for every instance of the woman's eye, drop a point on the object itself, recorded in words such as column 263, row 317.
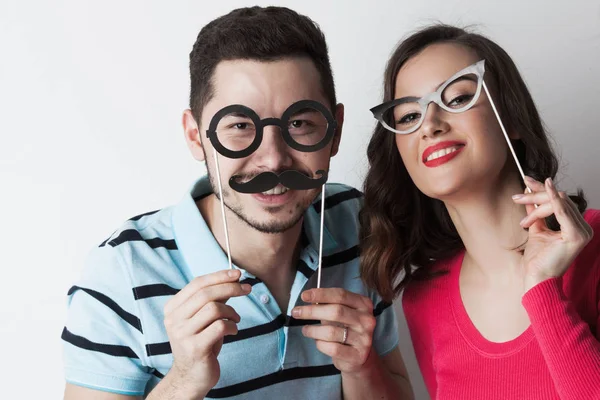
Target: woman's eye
column 409, row 118
column 461, row 100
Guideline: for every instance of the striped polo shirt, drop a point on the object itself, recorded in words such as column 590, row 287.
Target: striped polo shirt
column 115, row 340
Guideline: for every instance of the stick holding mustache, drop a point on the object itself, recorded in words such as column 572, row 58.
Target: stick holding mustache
column 291, row 179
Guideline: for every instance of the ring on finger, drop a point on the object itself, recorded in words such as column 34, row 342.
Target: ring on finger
column 345, row 337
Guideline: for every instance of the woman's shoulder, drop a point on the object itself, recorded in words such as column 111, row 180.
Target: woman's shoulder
column 592, row 217
column 431, row 284
column 585, row 270
column 591, row 252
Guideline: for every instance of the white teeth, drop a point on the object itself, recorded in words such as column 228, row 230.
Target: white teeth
column 279, row 189
column 442, row 153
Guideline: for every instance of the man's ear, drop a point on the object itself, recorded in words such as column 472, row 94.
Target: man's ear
column 337, row 137
column 192, row 135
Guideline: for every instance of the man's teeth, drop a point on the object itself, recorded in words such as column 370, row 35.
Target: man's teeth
column 276, row 190
column 442, row 153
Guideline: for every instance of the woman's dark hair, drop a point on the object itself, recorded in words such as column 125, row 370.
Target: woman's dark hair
column 403, row 232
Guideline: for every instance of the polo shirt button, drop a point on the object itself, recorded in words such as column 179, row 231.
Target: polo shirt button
column 264, row 299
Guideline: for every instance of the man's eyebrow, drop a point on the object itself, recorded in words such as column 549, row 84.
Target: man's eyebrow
column 236, row 114
column 305, row 110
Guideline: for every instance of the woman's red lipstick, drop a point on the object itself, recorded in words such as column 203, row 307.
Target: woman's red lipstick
column 459, row 146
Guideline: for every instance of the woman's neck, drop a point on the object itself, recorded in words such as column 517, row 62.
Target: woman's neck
column 487, row 221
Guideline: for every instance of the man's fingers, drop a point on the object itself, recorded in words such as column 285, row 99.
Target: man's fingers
column 231, row 275
column 335, row 333
column 210, row 313
column 334, row 313
column 338, row 296
column 340, row 352
column 215, row 332
column 221, row 293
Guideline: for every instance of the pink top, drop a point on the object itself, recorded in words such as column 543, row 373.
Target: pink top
column 557, row 357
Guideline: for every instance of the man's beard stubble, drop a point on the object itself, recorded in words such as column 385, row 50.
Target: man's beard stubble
column 273, row 227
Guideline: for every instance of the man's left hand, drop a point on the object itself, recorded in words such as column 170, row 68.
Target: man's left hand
column 347, row 325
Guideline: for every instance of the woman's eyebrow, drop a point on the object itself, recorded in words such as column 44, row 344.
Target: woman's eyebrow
column 460, row 78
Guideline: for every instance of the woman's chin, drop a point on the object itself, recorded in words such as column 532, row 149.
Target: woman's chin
column 444, row 190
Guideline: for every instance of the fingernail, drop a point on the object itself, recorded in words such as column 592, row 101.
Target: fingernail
column 518, row 196
column 528, row 178
column 523, row 221
column 307, row 296
column 304, row 329
column 246, row 287
column 232, row 272
column 296, row 312
column 550, row 183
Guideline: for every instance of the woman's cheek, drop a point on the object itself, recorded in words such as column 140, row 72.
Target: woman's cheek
column 408, row 149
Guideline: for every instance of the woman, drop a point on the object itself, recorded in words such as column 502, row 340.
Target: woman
column 501, row 284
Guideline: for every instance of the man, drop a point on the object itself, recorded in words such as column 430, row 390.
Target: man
column 262, row 96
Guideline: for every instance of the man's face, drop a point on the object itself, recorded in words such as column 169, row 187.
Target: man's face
column 268, row 88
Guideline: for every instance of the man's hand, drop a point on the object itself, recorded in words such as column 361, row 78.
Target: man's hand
column 197, row 319
column 347, row 325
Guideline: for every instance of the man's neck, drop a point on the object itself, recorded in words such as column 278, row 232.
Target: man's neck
column 271, row 257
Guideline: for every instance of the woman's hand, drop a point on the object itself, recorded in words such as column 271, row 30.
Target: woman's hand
column 549, row 254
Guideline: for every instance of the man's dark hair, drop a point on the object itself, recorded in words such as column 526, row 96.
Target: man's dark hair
column 256, row 33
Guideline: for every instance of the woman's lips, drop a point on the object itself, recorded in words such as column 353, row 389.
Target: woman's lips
column 442, row 152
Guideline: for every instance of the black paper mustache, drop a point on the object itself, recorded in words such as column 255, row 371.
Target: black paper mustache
column 291, row 179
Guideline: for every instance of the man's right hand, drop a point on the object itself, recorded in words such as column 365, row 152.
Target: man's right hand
column 197, row 319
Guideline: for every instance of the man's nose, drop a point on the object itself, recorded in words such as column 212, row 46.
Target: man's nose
column 273, row 154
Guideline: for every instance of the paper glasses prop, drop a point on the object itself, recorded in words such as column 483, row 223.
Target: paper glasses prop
column 458, row 94
column 236, row 131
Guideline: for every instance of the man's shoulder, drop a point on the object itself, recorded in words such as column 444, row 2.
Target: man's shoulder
column 140, row 251
column 340, row 198
column 342, row 206
column 339, row 188
column 141, row 240
column 154, row 226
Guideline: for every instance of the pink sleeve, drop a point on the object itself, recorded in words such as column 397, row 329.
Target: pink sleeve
column 419, row 334
column 425, row 360
column 571, row 351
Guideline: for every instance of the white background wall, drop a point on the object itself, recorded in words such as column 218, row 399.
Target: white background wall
column 91, row 95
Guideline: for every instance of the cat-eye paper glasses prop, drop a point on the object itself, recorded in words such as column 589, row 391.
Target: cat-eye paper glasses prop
column 236, row 131
column 458, row 94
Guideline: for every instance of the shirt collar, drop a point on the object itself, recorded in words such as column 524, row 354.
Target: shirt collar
column 202, row 253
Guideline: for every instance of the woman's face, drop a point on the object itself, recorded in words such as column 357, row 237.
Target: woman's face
column 449, row 153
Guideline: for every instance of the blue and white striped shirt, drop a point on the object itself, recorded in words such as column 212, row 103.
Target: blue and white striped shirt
column 115, row 339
